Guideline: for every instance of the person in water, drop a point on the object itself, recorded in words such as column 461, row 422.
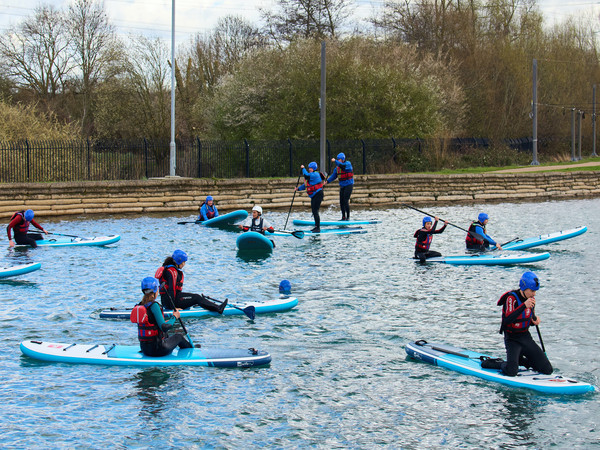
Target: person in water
column 257, row 222
column 518, row 314
column 170, row 275
column 314, row 187
column 478, row 227
column 285, row 289
column 346, row 174
column 424, row 237
column 208, row 210
column 19, row 223
column 152, row 326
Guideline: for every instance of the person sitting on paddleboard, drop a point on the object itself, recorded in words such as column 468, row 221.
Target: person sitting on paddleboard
column 170, row 276
column 425, row 236
column 152, row 327
column 479, row 227
column 346, row 174
column 19, row 223
column 518, row 314
column 208, row 210
column 314, row 187
column 257, row 223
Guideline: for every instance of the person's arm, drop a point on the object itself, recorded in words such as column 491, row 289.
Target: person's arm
column 267, row 225
column 203, row 212
column 441, row 230
column 216, row 210
column 38, row 226
column 334, row 174
column 512, row 312
column 13, row 223
column 301, row 187
column 160, row 320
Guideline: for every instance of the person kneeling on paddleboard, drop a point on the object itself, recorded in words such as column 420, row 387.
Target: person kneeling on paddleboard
column 152, row 327
column 208, row 210
column 517, row 316
column 257, row 223
column 424, row 237
column 170, row 276
column 19, row 223
column 479, row 227
column 314, row 188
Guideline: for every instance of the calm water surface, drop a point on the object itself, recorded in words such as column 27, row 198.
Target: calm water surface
column 340, row 377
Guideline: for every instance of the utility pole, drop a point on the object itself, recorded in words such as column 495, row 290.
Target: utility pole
column 573, row 158
column 594, row 122
column 534, row 143
column 322, row 105
column 172, row 147
column 580, row 112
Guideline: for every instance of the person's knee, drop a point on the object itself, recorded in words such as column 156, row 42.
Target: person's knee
column 510, row 370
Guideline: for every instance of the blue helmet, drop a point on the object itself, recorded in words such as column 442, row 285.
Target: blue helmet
column 285, row 287
column 150, row 284
column 179, row 256
column 341, row 156
column 313, row 166
column 482, row 217
column 209, row 198
column 427, row 219
column 28, row 215
column 529, row 280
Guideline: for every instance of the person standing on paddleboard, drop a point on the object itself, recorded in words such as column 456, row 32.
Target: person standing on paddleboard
column 314, row 187
column 208, row 210
column 479, row 227
column 152, row 327
column 171, row 277
column 19, row 223
column 424, row 237
column 345, row 172
column 518, row 314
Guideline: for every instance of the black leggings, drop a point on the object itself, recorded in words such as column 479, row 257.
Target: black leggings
column 163, row 347
column 28, row 239
column 185, row 300
column 315, row 205
column 422, row 256
column 345, row 193
column 519, row 345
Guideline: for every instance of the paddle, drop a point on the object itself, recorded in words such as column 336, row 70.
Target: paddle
column 187, row 335
column 297, row 233
column 250, row 311
column 66, row 235
column 477, row 236
column 422, row 343
column 292, row 204
column 541, row 341
column 183, row 223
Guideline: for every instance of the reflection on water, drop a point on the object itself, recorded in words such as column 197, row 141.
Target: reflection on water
column 148, row 387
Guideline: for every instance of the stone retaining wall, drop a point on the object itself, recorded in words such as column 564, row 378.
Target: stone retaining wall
column 184, row 195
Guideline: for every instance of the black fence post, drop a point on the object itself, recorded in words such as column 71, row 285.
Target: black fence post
column 291, row 157
column 328, row 155
column 394, row 143
column 247, row 148
column 27, row 144
column 199, row 157
column 89, row 159
column 146, row 157
column 364, row 156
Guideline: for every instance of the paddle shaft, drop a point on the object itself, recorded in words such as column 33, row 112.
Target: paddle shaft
column 249, row 310
column 299, row 234
column 292, row 204
column 472, row 233
column 195, row 221
column 540, row 336
column 66, row 235
column 187, row 335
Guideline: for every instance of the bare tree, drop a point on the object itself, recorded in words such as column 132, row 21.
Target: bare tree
column 37, row 55
column 96, row 51
column 308, row 19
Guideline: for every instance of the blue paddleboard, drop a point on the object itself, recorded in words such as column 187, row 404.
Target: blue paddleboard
column 336, row 223
column 542, row 239
column 490, row 258
column 251, row 240
column 225, row 219
column 76, row 241
column 19, row 270
column 130, row 355
column 260, row 307
column 469, row 362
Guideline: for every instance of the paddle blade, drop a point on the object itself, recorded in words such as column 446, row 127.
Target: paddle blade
column 250, row 311
column 298, row 234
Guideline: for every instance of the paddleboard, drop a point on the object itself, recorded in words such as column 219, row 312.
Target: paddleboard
column 130, row 355
column 77, row 241
column 19, row 270
column 261, row 307
column 468, row 362
column 491, row 259
column 336, row 231
column 335, row 223
column 522, row 244
column 251, row 240
column 225, row 219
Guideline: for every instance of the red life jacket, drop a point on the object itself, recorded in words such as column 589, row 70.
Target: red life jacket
column 176, row 274
column 210, row 210
column 523, row 320
column 470, row 240
column 343, row 174
column 423, row 246
column 148, row 330
column 311, row 189
column 23, row 227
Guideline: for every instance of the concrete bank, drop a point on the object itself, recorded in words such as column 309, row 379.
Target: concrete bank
column 181, row 196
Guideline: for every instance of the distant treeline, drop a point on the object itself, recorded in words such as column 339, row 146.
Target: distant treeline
column 418, row 69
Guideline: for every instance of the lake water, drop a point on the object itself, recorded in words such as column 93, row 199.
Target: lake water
column 339, row 377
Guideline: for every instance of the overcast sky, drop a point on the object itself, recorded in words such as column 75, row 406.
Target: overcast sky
column 153, row 17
